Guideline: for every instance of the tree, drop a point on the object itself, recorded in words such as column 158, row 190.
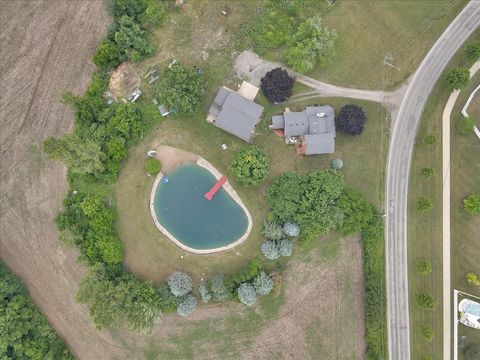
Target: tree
column 424, row 267
column 285, row 247
column 187, row 305
column 277, row 85
column 272, row 231
column 180, row 283
column 312, row 43
column 426, row 301
column 472, row 51
column 430, row 139
column 263, row 283
column 246, row 294
column 181, row 89
column 250, row 166
column 356, row 211
column 270, row 249
column 427, row 332
column 473, row 279
column 205, row 294
column 351, row 120
column 428, row 172
column 465, row 125
column 291, row 229
column 457, row 78
column 471, row 204
column 131, row 8
column 25, row 333
column 424, row 205
column 81, row 156
column 108, row 55
column 472, row 352
column 132, row 40
column 152, row 166
column 219, row 288
column 285, row 195
column 336, row 164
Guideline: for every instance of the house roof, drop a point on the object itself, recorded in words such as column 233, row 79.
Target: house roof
column 319, row 144
column 236, row 114
column 278, row 122
column 296, row 123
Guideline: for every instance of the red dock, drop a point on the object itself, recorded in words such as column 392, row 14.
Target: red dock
column 218, row 185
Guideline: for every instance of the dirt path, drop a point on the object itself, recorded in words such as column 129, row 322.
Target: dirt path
column 45, row 51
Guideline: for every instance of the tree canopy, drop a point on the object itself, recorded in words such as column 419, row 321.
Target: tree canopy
column 277, row 85
column 472, row 51
column 181, row 89
column 25, row 333
column 471, row 204
column 312, row 44
column 356, row 212
column 250, row 166
column 351, row 120
column 457, row 78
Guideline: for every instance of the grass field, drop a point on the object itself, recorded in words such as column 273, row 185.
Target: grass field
column 369, row 30
column 425, row 230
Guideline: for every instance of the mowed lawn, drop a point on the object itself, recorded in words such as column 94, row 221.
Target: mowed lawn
column 425, row 230
column 465, row 168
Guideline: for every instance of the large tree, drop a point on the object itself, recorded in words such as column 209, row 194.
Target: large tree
column 351, row 120
column 277, row 85
column 356, row 211
column 181, row 89
column 250, row 166
column 457, row 78
column 82, row 156
column 312, row 44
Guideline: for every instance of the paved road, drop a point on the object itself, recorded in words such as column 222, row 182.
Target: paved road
column 398, row 169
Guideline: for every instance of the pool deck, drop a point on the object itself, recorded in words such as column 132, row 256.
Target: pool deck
column 205, row 164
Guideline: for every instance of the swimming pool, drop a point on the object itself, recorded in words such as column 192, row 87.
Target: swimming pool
column 191, row 221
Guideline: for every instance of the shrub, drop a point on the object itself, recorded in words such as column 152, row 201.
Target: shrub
column 351, row 120
column 427, row 332
column 291, row 229
column 250, row 166
column 181, row 89
column 248, row 272
column 356, row 211
column 270, row 30
column 277, row 85
column 430, row 139
column 472, row 51
column 457, row 78
column 285, row 195
column 428, row 172
column 424, row 267
column 180, row 283
column 473, row 279
column 424, row 205
column 272, row 231
column 263, row 284
column 336, row 164
column 246, row 294
column 152, row 166
column 465, row 125
column 25, row 333
column 108, row 55
column 219, row 288
column 187, row 305
column 205, row 294
column 311, row 44
column 270, row 249
column 426, row 301
column 285, row 247
column 471, row 204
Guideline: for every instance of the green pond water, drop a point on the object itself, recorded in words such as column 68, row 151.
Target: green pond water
column 193, row 220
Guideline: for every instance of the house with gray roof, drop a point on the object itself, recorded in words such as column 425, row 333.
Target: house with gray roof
column 312, row 130
column 235, row 114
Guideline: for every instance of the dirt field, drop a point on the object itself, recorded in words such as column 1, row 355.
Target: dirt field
column 45, row 51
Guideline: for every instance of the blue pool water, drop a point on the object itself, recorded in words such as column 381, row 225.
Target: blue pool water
column 193, row 220
column 472, row 309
